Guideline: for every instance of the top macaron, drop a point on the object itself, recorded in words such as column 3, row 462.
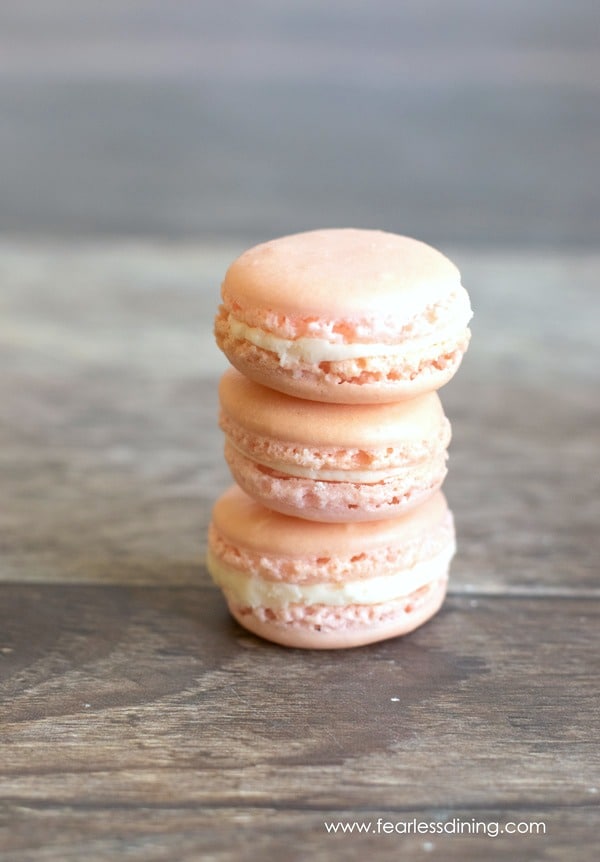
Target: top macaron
column 344, row 316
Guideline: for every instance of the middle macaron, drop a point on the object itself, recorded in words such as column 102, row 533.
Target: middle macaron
column 332, row 462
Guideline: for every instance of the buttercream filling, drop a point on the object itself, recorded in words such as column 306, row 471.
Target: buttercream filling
column 314, row 350
column 254, row 591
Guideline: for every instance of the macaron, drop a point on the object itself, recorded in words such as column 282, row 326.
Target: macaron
column 344, row 316
column 329, row 586
column 332, row 462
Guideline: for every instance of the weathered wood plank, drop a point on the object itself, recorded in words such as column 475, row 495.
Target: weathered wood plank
column 48, row 833
column 153, row 697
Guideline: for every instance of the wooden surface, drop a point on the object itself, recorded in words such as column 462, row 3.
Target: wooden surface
column 138, row 722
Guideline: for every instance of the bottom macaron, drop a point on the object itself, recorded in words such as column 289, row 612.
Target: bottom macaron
column 329, row 586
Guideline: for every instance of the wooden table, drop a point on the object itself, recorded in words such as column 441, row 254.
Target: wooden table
column 138, row 722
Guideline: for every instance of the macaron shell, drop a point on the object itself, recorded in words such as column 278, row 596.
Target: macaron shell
column 246, row 524
column 393, row 622
column 337, row 501
column 260, row 410
column 340, row 273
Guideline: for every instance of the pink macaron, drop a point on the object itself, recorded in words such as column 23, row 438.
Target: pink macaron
column 345, row 316
column 332, row 462
column 328, row 586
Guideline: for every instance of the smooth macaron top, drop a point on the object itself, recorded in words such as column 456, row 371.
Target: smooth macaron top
column 273, row 415
column 249, row 526
column 336, row 276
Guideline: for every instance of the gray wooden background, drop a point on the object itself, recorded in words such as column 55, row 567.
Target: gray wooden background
column 142, row 146
column 470, row 121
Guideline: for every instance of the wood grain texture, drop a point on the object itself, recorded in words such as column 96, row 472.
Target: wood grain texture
column 230, row 834
column 151, row 707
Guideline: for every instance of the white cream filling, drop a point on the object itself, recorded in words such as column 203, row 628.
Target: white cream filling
column 365, row 477
column 255, row 591
column 315, row 350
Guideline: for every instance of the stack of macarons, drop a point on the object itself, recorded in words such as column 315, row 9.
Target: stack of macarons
column 337, row 533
